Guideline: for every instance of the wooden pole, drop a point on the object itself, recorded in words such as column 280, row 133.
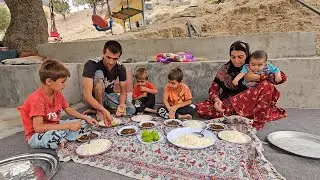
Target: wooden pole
column 143, row 20
column 110, row 15
column 129, row 15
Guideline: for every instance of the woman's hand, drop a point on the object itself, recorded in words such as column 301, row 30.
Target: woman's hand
column 218, row 105
column 251, row 76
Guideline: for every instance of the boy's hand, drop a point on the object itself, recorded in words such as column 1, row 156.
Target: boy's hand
column 121, row 110
column 235, row 82
column 172, row 112
column 92, row 121
column 144, row 94
column 143, row 89
column 75, row 126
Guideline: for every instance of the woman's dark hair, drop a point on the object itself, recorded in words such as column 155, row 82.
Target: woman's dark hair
column 241, row 46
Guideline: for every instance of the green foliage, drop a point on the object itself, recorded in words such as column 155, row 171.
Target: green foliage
column 61, row 7
column 79, row 2
column 4, row 18
column 92, row 1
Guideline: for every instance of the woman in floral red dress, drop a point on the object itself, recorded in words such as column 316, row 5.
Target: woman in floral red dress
column 257, row 103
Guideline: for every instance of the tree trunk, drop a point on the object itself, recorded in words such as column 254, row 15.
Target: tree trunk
column 28, row 26
column 64, row 16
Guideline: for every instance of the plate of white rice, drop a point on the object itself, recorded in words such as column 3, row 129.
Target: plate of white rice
column 96, row 147
column 184, row 138
column 194, row 124
column 234, row 137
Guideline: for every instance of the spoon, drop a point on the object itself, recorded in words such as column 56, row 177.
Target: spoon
column 200, row 133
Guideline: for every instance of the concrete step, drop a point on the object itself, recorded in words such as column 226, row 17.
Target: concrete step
column 301, row 91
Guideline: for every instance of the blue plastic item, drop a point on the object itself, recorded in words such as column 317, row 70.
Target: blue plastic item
column 9, row 54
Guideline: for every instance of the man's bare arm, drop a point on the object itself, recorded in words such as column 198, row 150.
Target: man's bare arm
column 123, row 92
column 87, row 93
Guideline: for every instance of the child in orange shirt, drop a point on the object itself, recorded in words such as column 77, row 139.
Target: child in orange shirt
column 177, row 98
column 144, row 92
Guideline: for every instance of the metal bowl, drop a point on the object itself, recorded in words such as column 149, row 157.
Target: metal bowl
column 29, row 166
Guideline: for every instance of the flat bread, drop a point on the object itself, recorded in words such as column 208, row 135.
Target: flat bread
column 115, row 122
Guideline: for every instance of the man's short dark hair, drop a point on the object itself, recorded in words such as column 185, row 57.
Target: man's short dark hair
column 112, row 46
column 175, row 74
column 259, row 54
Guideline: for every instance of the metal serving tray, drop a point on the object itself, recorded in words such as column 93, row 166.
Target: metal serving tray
column 299, row 143
column 39, row 166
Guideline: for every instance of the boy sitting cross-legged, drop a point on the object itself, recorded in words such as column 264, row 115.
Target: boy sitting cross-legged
column 177, row 98
column 42, row 109
column 144, row 92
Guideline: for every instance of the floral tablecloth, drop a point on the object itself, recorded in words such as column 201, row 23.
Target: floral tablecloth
column 129, row 157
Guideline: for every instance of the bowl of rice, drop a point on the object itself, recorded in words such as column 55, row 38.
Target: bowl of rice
column 96, row 147
column 234, row 137
column 194, row 124
column 184, row 138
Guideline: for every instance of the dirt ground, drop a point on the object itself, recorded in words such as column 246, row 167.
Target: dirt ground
column 234, row 17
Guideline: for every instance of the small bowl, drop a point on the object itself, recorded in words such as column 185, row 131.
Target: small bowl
column 169, row 120
column 152, row 122
column 216, row 129
column 94, row 132
column 128, row 127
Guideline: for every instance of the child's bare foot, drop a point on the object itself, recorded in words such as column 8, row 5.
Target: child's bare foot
column 89, row 111
column 150, row 110
column 185, row 116
column 62, row 144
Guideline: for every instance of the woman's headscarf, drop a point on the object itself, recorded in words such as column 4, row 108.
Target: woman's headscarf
column 228, row 71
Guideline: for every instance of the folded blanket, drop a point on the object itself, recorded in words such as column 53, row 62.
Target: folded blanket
column 175, row 57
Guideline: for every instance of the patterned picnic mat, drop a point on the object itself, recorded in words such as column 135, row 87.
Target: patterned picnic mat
column 129, row 157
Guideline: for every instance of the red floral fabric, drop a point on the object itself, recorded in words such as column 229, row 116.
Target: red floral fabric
column 257, row 103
